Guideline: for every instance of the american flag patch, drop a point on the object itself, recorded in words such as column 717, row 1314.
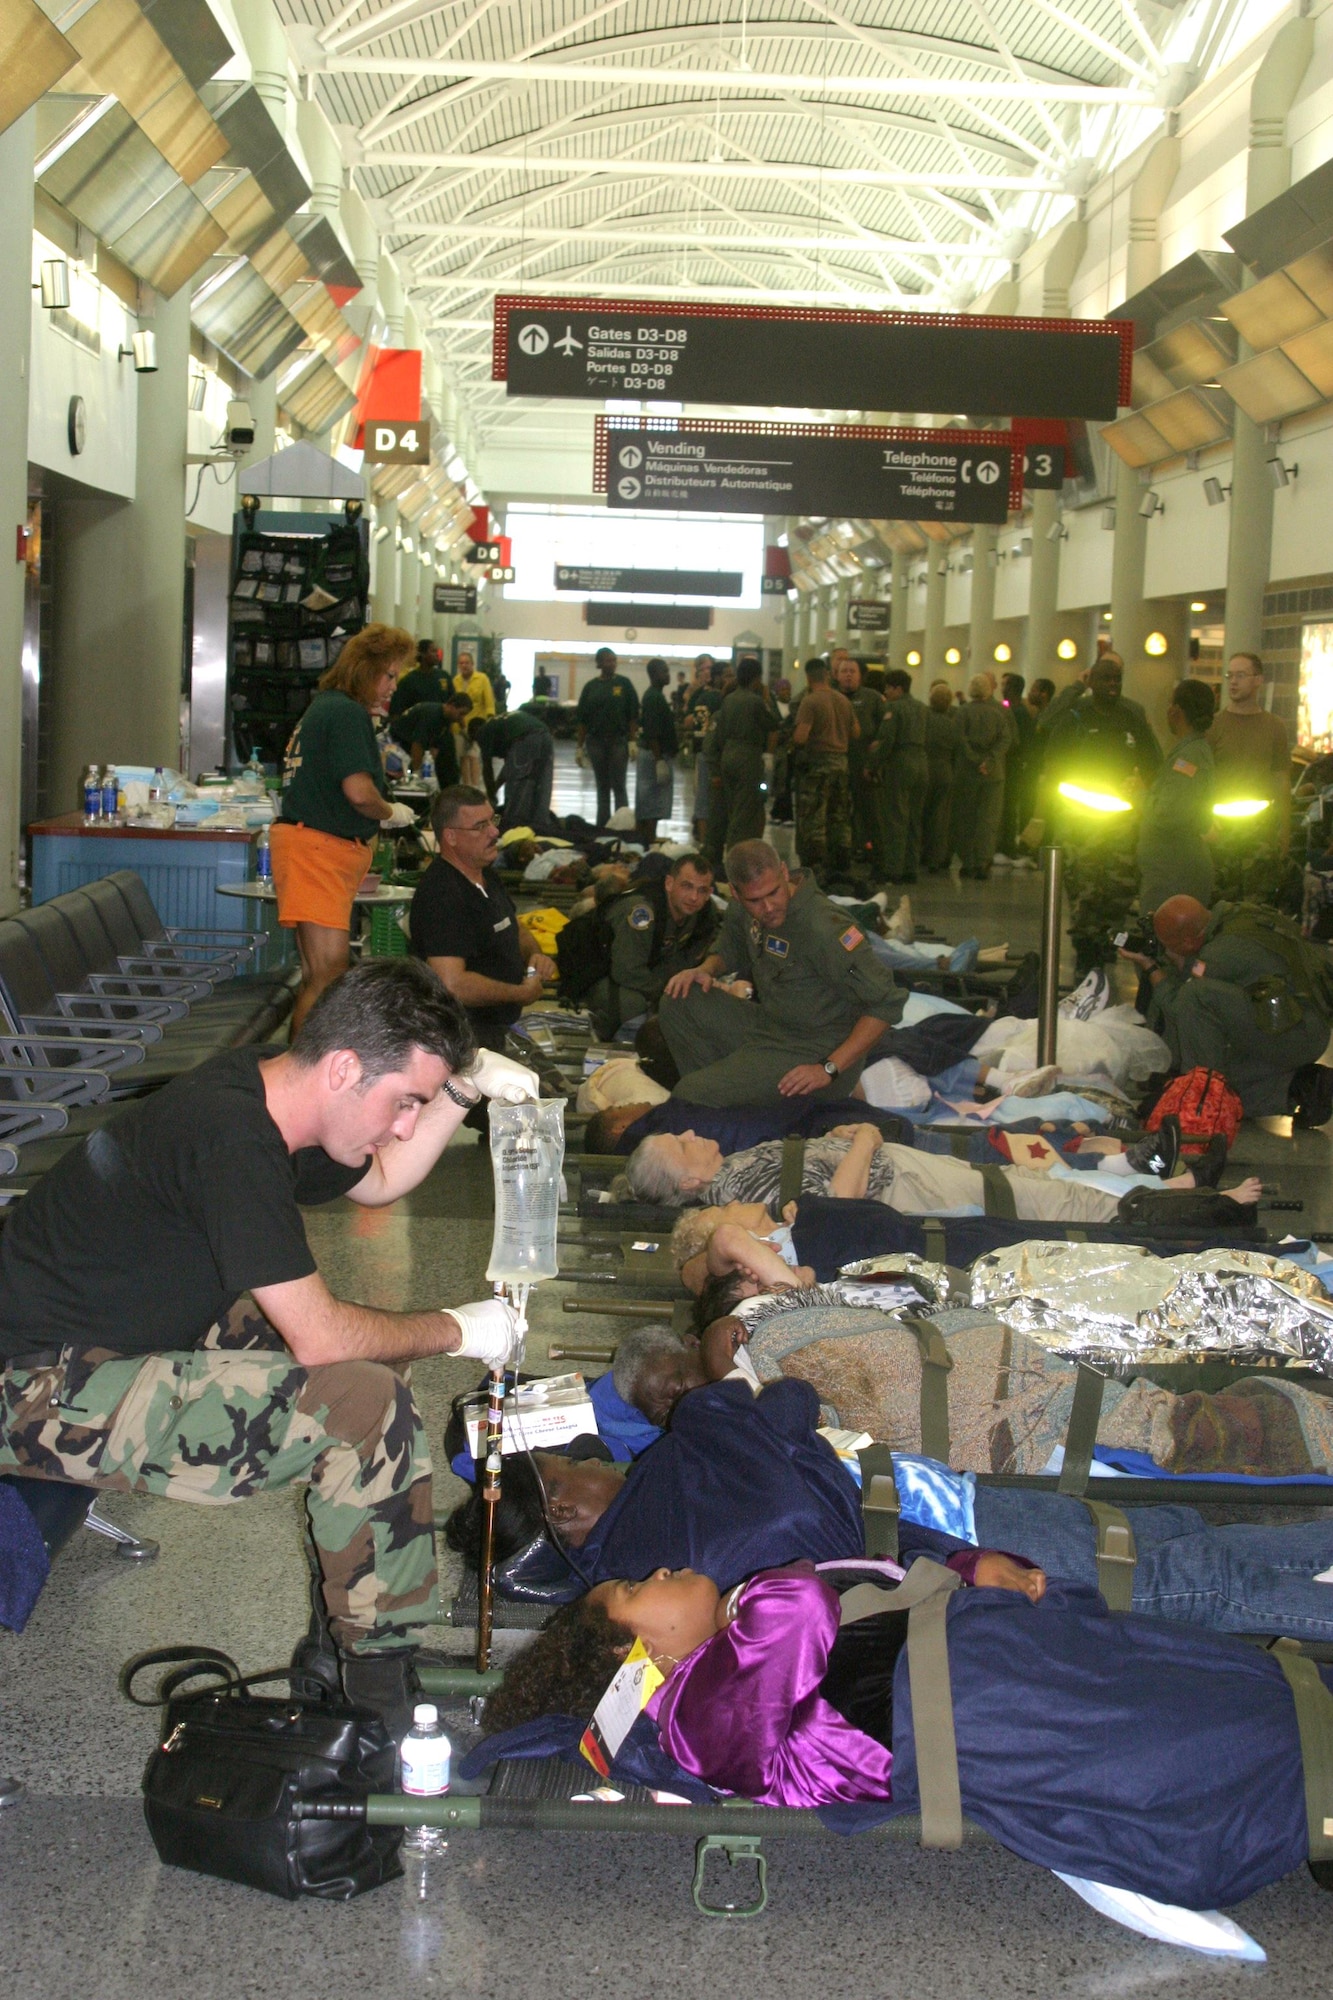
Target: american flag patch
column 1185, row 768
column 850, row 939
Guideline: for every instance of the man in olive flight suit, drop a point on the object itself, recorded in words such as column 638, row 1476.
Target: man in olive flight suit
column 900, row 753
column 1243, row 992
column 821, row 998
column 657, row 930
column 745, row 730
column 864, row 780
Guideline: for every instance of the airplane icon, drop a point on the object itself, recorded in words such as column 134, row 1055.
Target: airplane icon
column 568, row 344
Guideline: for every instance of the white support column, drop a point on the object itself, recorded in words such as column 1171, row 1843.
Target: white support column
column 932, row 649
column 981, row 636
column 899, row 611
column 384, row 585
column 16, row 157
column 1044, row 575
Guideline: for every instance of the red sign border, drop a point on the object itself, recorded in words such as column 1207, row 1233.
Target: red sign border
column 603, row 425
column 509, row 302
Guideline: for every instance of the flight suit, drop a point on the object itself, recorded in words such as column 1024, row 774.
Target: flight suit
column 642, row 960
column 813, row 980
column 865, row 782
column 740, row 735
column 979, row 801
column 1175, row 858
column 1214, row 1023
column 944, row 742
column 1112, row 749
column 900, row 751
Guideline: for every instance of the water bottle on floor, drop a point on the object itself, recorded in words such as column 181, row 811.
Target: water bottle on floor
column 424, row 1756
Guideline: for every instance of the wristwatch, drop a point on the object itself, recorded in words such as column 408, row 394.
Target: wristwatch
column 830, row 1068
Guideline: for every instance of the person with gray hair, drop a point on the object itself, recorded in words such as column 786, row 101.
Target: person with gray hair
column 465, row 926
column 654, row 1367
column 805, row 1001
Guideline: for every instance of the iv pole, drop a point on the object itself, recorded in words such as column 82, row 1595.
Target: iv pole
column 517, row 1296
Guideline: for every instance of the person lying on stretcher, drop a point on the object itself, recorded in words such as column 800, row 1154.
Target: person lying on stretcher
column 739, row 1480
column 679, row 1170
column 1107, row 1748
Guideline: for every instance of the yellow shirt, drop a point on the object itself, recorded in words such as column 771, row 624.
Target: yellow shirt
column 479, row 692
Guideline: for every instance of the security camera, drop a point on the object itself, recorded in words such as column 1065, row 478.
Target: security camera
column 240, row 426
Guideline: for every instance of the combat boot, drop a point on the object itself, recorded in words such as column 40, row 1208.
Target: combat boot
column 386, row 1684
column 316, row 1665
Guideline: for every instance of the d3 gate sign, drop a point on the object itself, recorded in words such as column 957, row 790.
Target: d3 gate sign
column 878, row 474
column 701, row 353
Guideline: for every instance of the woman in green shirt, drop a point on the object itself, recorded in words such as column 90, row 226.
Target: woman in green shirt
column 334, row 805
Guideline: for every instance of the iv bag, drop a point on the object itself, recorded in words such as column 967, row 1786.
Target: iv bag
column 527, row 1151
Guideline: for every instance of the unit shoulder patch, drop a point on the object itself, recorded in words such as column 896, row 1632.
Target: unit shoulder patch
column 851, row 938
column 777, row 947
column 640, row 917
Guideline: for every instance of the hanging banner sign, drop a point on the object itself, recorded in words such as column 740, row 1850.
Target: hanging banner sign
column 694, row 466
column 454, row 600
column 655, row 617
column 700, row 353
column 863, row 615
column 651, row 582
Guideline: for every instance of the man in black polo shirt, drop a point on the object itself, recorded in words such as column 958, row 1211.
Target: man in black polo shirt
column 464, row 924
column 123, row 1307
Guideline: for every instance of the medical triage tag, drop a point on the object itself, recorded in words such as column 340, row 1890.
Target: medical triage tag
column 630, row 1691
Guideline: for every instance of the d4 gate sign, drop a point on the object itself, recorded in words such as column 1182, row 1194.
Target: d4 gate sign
column 701, row 353
column 877, row 473
column 398, row 442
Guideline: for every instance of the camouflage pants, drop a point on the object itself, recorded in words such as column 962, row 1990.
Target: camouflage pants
column 824, row 817
column 239, row 1416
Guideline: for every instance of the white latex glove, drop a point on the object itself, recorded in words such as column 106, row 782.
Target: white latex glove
column 490, row 1332
column 399, row 815
column 499, row 1077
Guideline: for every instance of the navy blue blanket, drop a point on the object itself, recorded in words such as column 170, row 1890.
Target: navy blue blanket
column 24, row 1563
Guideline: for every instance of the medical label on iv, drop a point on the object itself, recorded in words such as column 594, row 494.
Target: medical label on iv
column 527, row 1153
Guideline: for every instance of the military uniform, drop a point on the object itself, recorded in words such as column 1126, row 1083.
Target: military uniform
column 740, row 735
column 648, row 947
column 823, row 802
column 527, row 750
column 1112, row 749
column 900, row 752
column 987, row 735
column 1249, row 1015
column 865, row 783
column 813, row 980
column 1175, row 857
column 944, row 742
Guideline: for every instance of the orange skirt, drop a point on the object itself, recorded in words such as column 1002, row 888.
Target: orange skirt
column 316, row 875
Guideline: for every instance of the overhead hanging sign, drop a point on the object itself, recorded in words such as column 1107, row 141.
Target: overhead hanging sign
column 729, row 467
column 652, row 582
column 702, row 353
column 656, row 617
column 454, row 600
column 397, row 441
column 865, row 615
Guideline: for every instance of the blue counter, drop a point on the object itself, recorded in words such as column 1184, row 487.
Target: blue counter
column 182, row 871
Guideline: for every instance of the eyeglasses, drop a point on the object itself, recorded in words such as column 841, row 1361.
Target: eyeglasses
column 477, row 825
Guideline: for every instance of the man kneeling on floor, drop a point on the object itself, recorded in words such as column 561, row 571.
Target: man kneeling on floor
column 122, row 1314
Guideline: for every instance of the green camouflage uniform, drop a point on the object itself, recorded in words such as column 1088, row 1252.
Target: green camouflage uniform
column 900, row 751
column 823, row 814
column 813, row 980
column 864, row 781
column 238, row 1416
column 1110, row 749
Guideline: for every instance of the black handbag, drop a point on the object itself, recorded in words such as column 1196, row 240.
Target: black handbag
column 224, row 1788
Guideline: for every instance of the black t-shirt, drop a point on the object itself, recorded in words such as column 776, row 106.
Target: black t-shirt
column 453, row 918
column 151, row 1229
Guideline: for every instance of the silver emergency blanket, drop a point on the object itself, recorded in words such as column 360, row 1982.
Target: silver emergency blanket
column 1115, row 1303
column 907, row 1283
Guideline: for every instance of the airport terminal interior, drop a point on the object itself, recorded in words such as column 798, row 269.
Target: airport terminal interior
column 666, row 1012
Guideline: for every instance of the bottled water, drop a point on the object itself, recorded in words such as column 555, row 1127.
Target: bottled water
column 263, row 857
column 428, row 769
column 527, row 1151
column 255, row 768
column 424, row 1756
column 92, row 795
column 157, row 791
column 110, row 793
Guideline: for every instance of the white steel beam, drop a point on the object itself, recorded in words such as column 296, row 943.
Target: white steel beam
column 686, row 239
column 731, row 169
